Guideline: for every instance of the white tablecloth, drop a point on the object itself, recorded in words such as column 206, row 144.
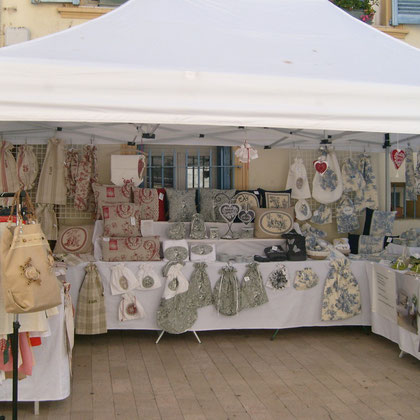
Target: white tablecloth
column 50, row 378
column 398, row 249
column 286, row 308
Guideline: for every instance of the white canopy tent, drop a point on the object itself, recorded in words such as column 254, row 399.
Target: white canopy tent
column 300, row 66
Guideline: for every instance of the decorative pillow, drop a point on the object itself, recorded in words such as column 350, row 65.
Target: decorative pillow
column 366, row 244
column 121, row 219
column 74, row 240
column 110, row 194
column 379, row 222
column 275, row 199
column 252, row 198
column 181, row 204
column 210, row 201
column 133, row 248
column 272, row 223
column 151, row 202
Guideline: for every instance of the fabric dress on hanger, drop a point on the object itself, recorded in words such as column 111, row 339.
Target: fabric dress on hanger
column 72, row 166
column 8, row 179
column 252, row 291
column 410, row 178
column 52, row 184
column 371, row 191
column 200, row 287
column 27, row 166
column 86, row 175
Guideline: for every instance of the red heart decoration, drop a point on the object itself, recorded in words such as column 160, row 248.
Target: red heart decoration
column 397, row 156
column 320, row 166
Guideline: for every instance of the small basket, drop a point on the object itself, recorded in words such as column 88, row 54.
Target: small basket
column 317, row 255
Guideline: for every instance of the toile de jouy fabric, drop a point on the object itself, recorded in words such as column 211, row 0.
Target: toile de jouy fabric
column 305, row 279
column 410, row 178
column 177, row 311
column 46, row 216
column 52, row 183
column 252, row 292
column 8, row 179
column 87, row 174
column 382, row 223
column 370, row 244
column 200, row 287
column 341, row 299
column 353, row 182
column 27, row 167
column 370, row 195
column 226, row 292
column 322, row 215
column 148, row 201
column 71, row 166
column 347, row 220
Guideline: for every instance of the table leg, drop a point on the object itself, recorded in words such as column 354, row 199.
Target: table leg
column 196, row 336
column 160, row 336
column 274, row 335
column 36, row 408
column 402, row 354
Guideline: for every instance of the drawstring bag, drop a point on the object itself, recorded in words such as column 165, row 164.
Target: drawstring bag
column 122, row 280
column 252, row 292
column 27, row 276
column 46, row 216
column 305, row 279
column 328, row 186
column 278, row 279
column 27, row 167
column 226, row 292
column 297, row 180
column 177, row 311
column 341, row 299
column 370, row 195
column 347, row 219
column 147, row 278
column 200, row 286
column 90, row 313
column 130, row 308
column 322, row 215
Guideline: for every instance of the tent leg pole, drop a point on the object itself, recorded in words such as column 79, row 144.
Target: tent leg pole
column 160, row 336
column 197, row 337
column 386, row 147
column 274, row 335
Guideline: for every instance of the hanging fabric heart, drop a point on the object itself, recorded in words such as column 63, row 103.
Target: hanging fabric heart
column 397, row 156
column 320, row 166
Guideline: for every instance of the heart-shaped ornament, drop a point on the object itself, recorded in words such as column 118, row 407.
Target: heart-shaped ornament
column 397, row 156
column 320, row 166
column 246, row 216
column 229, row 211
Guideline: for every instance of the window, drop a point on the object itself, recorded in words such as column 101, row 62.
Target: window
column 75, row 2
column 405, row 11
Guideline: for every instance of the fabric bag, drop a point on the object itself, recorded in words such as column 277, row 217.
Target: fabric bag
column 122, row 280
column 347, row 219
column 297, row 180
column 252, row 292
column 226, row 292
column 46, row 216
column 200, row 287
column 130, row 308
column 27, row 167
column 90, row 314
column 28, row 280
column 147, row 278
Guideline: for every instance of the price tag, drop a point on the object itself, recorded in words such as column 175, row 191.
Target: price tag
column 256, row 192
column 274, row 248
column 246, row 278
column 133, row 221
column 161, row 196
column 388, row 240
column 105, row 239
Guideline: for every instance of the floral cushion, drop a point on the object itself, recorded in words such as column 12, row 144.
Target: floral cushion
column 272, row 223
column 252, row 198
column 110, row 194
column 121, row 219
column 366, row 244
column 151, row 202
column 74, row 240
column 181, row 204
column 379, row 222
column 210, row 202
column 133, row 248
column 275, row 199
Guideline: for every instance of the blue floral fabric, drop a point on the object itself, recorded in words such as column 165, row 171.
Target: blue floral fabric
column 347, row 220
column 341, row 299
column 371, row 192
column 382, row 223
column 305, row 279
column 329, row 180
column 322, row 215
column 369, row 244
column 410, row 179
column 354, row 182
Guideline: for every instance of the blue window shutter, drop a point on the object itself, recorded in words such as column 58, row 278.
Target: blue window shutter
column 224, row 163
column 111, row 3
column 405, row 11
column 75, row 2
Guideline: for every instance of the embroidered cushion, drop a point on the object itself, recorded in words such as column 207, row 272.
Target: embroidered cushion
column 210, row 201
column 251, row 197
column 275, row 199
column 110, row 194
column 181, row 204
column 151, row 202
column 133, row 248
column 272, row 223
column 366, row 244
column 121, row 219
column 74, row 240
column 378, row 222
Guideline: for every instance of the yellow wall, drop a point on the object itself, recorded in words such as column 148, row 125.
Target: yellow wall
column 413, row 36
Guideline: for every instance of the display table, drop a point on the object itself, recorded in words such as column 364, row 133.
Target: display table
column 398, row 249
column 286, row 308
column 388, row 327
column 50, row 378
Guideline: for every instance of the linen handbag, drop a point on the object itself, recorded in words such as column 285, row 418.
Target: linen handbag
column 28, row 280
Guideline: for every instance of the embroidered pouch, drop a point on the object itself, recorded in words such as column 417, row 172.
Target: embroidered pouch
column 147, row 278
column 134, row 248
column 121, row 220
column 279, row 278
column 305, row 279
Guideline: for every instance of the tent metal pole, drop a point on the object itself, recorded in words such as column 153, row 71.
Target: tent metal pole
column 386, row 146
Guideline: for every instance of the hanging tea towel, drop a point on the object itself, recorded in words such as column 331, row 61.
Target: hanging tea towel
column 341, row 298
column 147, row 278
column 200, row 287
column 91, row 315
column 177, row 312
column 252, row 292
column 130, row 308
column 297, row 180
column 122, row 280
column 226, row 292
column 27, row 167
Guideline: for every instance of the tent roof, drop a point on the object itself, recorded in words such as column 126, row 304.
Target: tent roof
column 300, row 64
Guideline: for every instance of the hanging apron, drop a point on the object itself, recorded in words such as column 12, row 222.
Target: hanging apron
column 297, row 180
column 27, row 167
column 52, row 184
column 86, row 175
column 71, row 165
column 200, row 287
column 8, row 179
